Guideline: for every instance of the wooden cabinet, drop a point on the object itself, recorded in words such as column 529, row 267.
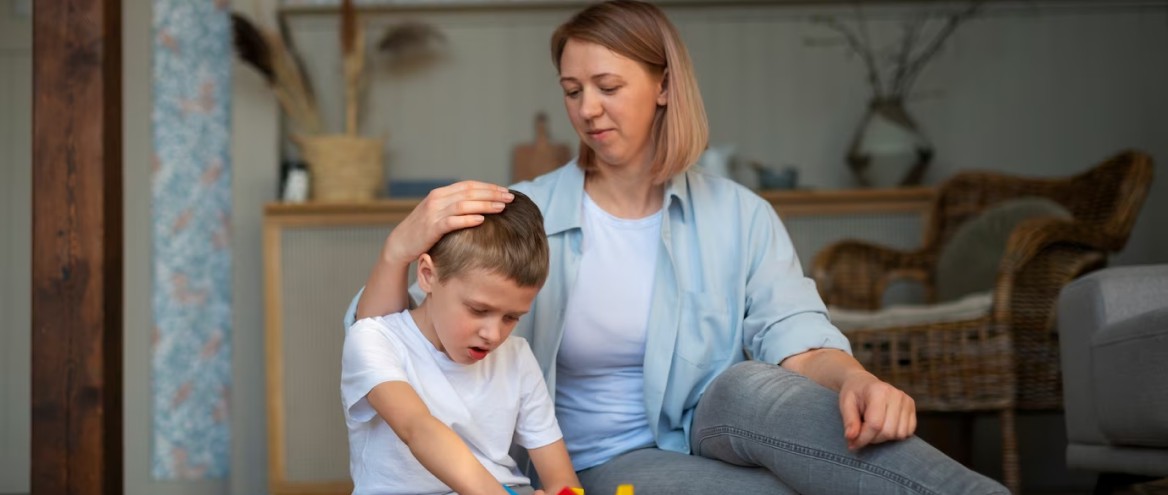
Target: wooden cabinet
column 316, row 256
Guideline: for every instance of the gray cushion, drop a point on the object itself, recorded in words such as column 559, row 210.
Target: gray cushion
column 1130, row 365
column 968, row 263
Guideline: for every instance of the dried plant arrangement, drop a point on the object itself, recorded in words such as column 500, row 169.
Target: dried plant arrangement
column 346, row 166
column 889, row 149
column 268, row 54
column 892, row 70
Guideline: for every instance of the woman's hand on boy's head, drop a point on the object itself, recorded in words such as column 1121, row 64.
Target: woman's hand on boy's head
column 445, row 209
column 875, row 411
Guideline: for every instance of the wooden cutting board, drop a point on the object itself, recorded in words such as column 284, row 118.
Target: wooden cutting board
column 531, row 160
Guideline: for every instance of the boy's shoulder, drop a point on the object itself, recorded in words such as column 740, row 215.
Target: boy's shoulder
column 392, row 327
column 376, row 323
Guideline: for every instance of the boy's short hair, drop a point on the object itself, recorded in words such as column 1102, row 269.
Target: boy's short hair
column 511, row 243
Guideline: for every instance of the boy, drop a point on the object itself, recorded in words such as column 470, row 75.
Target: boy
column 433, row 396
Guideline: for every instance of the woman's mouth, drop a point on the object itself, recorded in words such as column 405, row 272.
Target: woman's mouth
column 477, row 353
column 599, row 134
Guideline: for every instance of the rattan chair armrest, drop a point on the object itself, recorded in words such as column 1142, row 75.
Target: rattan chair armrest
column 853, row 274
column 1034, row 236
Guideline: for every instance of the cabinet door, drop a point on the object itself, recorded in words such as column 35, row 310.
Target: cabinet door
column 312, row 269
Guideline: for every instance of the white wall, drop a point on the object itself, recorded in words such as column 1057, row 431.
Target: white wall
column 1033, row 89
column 15, row 246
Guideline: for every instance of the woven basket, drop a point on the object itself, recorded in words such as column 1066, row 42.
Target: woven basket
column 343, row 167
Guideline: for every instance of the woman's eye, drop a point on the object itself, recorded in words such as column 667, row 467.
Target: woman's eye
column 572, row 93
column 609, row 91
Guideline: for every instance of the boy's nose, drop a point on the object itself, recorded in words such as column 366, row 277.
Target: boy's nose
column 491, row 332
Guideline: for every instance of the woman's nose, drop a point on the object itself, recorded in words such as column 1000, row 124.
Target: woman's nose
column 590, row 107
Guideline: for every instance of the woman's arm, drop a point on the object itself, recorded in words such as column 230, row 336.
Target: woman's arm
column 445, row 209
column 873, row 411
column 554, row 467
column 434, row 444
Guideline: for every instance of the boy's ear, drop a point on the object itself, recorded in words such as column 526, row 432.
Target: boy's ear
column 427, row 273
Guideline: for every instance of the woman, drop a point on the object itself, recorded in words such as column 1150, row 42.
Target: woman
column 685, row 349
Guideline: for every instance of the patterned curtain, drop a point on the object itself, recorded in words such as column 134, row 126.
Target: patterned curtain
column 191, row 231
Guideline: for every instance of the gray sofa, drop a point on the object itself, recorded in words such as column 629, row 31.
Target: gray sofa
column 1113, row 333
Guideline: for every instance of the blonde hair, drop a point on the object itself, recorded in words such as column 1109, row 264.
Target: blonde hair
column 641, row 32
column 511, row 243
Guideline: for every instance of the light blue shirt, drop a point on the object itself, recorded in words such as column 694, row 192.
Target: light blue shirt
column 727, row 282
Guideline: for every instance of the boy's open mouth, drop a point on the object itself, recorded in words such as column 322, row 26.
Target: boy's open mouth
column 478, row 353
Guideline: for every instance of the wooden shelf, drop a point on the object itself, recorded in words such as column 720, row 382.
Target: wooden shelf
column 850, row 201
column 786, row 202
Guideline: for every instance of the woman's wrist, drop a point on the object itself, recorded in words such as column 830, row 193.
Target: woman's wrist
column 391, row 257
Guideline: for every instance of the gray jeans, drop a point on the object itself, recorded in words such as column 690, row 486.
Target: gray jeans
column 762, row 429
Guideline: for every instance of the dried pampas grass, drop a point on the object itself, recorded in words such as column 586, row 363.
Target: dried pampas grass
column 267, row 54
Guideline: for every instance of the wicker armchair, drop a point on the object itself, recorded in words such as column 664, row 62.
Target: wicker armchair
column 1009, row 358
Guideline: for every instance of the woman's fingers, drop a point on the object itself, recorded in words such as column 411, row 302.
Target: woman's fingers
column 470, row 207
column 470, row 190
column 908, row 421
column 892, row 417
column 466, row 198
column 450, row 224
column 850, row 411
column 888, row 414
column 874, row 414
column 445, row 209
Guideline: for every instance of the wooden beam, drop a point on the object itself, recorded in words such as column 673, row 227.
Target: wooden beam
column 77, row 248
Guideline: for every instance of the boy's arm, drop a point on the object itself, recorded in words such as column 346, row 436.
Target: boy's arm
column 554, row 467
column 435, row 445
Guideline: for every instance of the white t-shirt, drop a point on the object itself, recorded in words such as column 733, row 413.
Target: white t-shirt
column 489, row 403
column 600, row 380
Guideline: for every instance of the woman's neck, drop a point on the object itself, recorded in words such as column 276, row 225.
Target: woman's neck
column 624, row 192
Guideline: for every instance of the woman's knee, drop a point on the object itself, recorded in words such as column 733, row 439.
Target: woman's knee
column 756, row 380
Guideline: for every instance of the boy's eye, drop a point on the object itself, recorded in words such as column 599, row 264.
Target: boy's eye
column 511, row 318
column 478, row 311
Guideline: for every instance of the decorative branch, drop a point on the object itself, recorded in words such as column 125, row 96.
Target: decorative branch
column 910, row 33
column 353, row 60
column 251, row 46
column 905, row 66
column 286, row 35
column 860, row 49
column 266, row 52
column 914, row 68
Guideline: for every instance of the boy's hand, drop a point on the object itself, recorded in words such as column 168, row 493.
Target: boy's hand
column 553, row 465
